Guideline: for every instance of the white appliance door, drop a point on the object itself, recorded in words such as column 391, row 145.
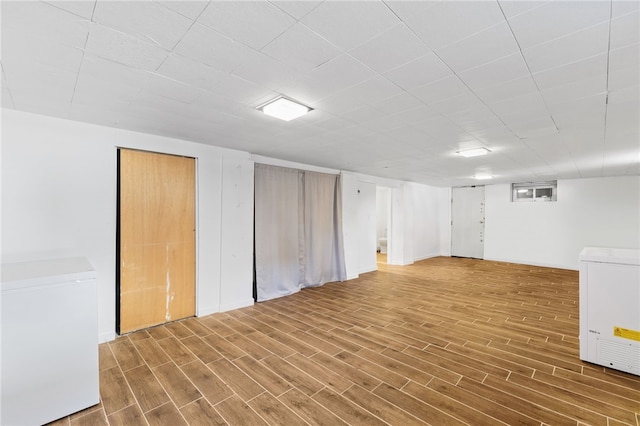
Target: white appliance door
column 467, row 222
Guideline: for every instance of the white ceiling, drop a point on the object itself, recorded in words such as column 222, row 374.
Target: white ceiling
column 397, row 87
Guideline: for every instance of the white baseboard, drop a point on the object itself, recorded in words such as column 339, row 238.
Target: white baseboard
column 428, row 256
column 236, row 305
column 542, row 264
column 107, row 336
column 207, row 310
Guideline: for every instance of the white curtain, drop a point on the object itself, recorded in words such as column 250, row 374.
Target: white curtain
column 298, row 230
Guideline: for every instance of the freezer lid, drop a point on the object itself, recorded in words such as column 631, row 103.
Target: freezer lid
column 610, row 255
column 46, row 272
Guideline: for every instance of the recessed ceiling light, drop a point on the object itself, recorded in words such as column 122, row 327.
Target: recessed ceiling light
column 483, row 177
column 474, row 152
column 284, row 109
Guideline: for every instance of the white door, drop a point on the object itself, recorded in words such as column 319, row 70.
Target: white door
column 467, row 222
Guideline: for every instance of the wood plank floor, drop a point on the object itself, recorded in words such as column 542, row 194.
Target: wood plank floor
column 445, row 341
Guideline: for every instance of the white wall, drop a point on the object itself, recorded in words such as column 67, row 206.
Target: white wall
column 366, row 213
column 59, row 199
column 419, row 221
column 600, row 212
column 382, row 212
column 430, row 208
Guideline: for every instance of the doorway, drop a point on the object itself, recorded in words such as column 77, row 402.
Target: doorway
column 383, row 223
column 467, row 222
column 155, row 250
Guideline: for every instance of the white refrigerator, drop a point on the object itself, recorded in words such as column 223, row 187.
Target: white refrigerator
column 610, row 308
column 49, row 340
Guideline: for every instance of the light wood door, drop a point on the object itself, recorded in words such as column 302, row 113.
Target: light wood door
column 156, row 239
column 467, row 222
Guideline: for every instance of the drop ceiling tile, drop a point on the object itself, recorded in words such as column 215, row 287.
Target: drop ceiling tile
column 391, row 49
column 565, row 50
column 411, row 135
column 97, row 94
column 494, row 135
column 363, row 94
column 507, row 89
column 450, row 21
column 145, row 20
column 486, row 46
column 190, row 9
column 575, row 90
column 621, row 78
column 265, row 71
column 329, row 123
column 447, row 87
column 514, row 8
column 622, row 7
column 387, row 123
column 539, row 127
column 465, row 101
column 54, row 103
column 254, row 23
column 408, row 9
column 474, row 119
column 505, row 69
column 566, row 74
column 191, row 72
column 419, row 72
column 531, row 103
column 20, row 47
column 44, row 20
column 301, row 48
column 398, row 103
column 364, row 114
column 80, row 8
column 442, row 128
column 172, row 89
column 112, row 73
column 205, row 45
column 346, row 25
column 122, row 48
column 336, row 75
column 104, row 81
column 297, row 9
column 7, row 100
column 624, row 116
column 32, row 79
column 240, row 90
column 625, row 57
column 419, row 114
column 518, row 119
column 557, row 19
column 579, row 112
column 626, row 95
column 625, row 30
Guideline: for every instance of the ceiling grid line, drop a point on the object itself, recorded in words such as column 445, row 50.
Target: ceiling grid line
column 606, row 104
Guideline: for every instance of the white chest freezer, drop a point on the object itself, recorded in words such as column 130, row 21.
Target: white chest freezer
column 49, row 340
column 610, row 308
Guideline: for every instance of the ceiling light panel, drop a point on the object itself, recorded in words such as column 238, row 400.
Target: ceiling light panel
column 474, row 152
column 284, row 109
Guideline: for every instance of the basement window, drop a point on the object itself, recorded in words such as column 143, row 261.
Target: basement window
column 534, row 191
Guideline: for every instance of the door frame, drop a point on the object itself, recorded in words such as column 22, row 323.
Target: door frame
column 117, row 239
column 483, row 220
